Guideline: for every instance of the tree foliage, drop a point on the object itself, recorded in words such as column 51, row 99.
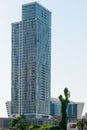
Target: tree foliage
column 18, row 123
column 82, row 123
column 64, row 103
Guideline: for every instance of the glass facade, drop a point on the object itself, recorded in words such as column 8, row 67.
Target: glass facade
column 54, row 109
column 72, row 112
column 31, row 62
column 15, row 68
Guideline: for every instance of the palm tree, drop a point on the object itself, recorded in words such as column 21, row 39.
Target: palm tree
column 81, row 123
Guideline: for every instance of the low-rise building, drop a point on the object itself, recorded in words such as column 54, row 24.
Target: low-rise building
column 8, row 108
column 74, row 110
column 54, row 107
column 4, row 123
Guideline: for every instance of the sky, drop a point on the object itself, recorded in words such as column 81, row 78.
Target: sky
column 68, row 47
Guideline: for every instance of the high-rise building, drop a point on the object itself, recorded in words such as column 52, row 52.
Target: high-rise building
column 31, row 62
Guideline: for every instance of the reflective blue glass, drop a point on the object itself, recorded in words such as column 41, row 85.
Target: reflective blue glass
column 31, row 62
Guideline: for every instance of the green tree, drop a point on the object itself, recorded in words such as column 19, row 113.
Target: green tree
column 18, row 123
column 64, row 103
column 81, row 123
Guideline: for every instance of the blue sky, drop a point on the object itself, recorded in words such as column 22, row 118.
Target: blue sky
column 69, row 47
